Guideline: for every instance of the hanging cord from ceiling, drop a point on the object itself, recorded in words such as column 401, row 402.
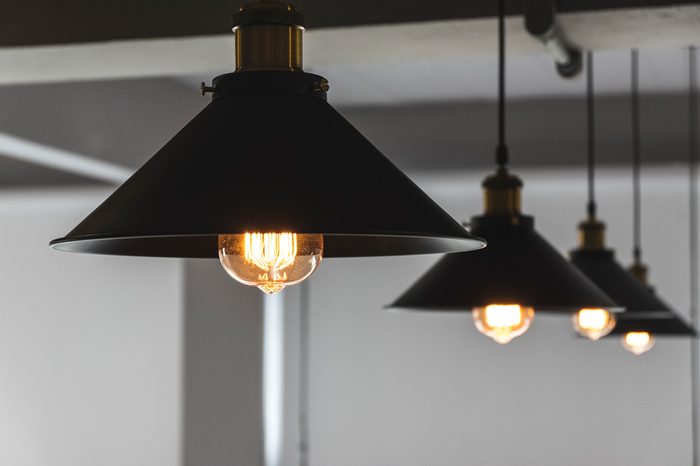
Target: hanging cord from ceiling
column 636, row 159
column 693, row 238
column 590, row 110
column 502, row 149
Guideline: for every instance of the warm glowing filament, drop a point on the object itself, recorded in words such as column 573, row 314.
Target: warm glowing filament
column 594, row 323
column 270, row 252
column 270, row 260
column 503, row 322
column 503, row 316
column 638, row 342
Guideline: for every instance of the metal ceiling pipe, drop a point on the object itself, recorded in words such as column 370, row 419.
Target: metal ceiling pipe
column 541, row 23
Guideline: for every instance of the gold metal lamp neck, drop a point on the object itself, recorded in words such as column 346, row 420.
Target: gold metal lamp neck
column 591, row 234
column 640, row 271
column 502, row 193
column 268, row 36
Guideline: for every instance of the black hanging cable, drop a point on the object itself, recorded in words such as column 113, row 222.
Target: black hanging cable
column 693, row 219
column 636, row 159
column 501, row 149
column 590, row 110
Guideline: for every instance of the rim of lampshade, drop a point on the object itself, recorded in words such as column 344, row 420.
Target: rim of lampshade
column 664, row 324
column 206, row 245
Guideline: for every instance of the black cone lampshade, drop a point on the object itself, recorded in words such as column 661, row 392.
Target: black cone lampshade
column 268, row 154
column 663, row 324
column 268, row 157
column 600, row 266
column 644, row 310
column 518, row 266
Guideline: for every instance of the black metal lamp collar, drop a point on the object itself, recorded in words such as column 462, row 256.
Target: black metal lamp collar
column 268, row 177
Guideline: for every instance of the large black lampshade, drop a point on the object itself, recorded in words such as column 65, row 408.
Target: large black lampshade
column 268, row 154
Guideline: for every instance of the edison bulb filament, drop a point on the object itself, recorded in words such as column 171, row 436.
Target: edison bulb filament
column 270, row 260
column 594, row 323
column 503, row 322
column 638, row 342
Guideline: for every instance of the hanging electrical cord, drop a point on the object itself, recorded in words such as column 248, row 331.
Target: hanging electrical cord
column 501, row 149
column 693, row 238
column 590, row 111
column 636, row 160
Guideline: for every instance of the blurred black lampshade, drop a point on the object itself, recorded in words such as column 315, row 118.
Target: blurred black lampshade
column 645, row 311
column 518, row 266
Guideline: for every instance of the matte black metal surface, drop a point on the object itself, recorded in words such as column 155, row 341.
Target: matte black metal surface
column 657, row 324
column 517, row 267
column 269, row 160
column 644, row 310
column 268, row 82
column 602, row 268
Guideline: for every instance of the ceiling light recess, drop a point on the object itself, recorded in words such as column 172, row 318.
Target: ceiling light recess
column 270, row 158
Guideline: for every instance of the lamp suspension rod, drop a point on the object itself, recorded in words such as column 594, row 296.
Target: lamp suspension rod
column 636, row 158
column 501, row 150
column 693, row 238
column 590, row 111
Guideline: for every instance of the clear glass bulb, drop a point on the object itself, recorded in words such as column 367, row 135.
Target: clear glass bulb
column 270, row 261
column 503, row 322
column 594, row 323
column 638, row 342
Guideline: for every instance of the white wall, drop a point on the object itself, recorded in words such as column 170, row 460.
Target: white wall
column 90, row 346
column 416, row 389
column 222, row 369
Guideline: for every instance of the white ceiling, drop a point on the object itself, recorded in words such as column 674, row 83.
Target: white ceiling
column 474, row 78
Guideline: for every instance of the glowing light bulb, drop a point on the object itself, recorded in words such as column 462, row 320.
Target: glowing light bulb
column 503, row 322
column 638, row 342
column 594, row 323
column 270, row 261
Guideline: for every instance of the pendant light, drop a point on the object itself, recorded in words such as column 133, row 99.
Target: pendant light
column 592, row 323
column 646, row 314
column 638, row 327
column 518, row 273
column 268, row 177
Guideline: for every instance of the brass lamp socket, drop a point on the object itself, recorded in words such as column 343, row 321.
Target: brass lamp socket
column 268, row 36
column 502, row 193
column 640, row 272
column 591, row 234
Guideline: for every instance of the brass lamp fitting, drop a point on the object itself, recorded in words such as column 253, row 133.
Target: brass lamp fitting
column 502, row 193
column 591, row 234
column 640, row 272
column 268, row 36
